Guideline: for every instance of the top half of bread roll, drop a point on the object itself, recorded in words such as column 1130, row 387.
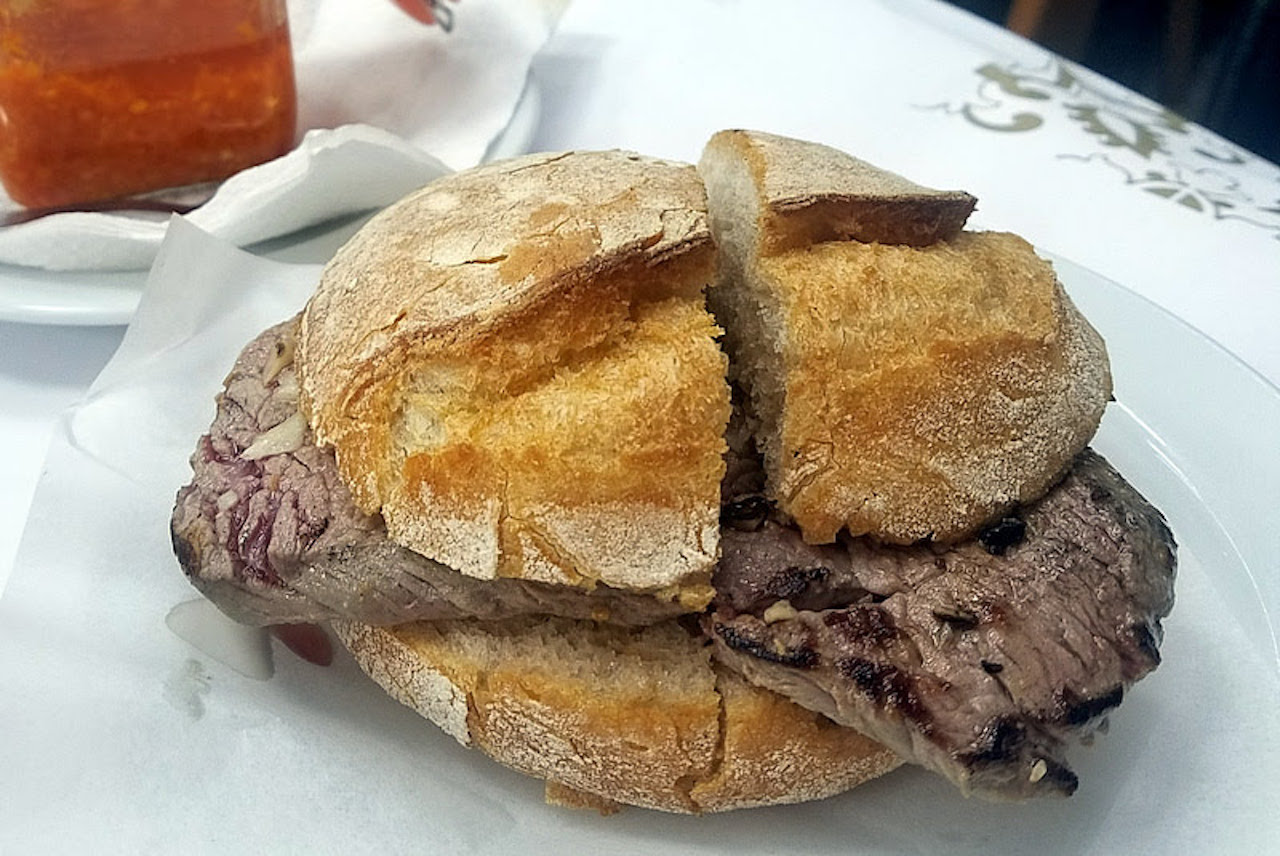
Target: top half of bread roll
column 515, row 366
column 908, row 380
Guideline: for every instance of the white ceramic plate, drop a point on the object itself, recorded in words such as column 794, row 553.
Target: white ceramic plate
column 85, row 298
column 117, row 734
column 96, row 298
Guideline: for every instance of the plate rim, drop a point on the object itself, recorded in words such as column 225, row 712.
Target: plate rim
column 38, row 296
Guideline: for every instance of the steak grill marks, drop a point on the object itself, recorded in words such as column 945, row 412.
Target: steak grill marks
column 980, row 660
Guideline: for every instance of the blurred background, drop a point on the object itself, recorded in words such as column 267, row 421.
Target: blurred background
column 1215, row 62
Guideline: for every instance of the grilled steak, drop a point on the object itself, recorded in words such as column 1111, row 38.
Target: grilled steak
column 980, row 660
column 268, row 532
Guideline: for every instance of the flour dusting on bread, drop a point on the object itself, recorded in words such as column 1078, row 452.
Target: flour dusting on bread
column 910, row 380
column 516, row 363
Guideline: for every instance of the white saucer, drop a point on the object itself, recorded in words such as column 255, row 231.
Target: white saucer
column 81, row 298
column 103, row 298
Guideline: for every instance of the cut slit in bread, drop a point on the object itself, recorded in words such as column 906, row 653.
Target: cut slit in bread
column 638, row 716
column 902, row 389
column 516, row 368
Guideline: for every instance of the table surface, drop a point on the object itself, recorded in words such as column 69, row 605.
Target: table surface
column 1073, row 162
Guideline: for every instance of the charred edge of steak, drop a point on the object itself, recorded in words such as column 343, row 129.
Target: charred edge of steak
column 1006, row 532
column 888, row 686
column 1002, row 742
column 760, row 568
column 1147, row 641
column 794, row 581
column 881, row 682
column 800, row 657
column 864, row 623
column 1071, row 709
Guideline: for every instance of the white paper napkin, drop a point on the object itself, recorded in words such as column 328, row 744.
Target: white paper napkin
column 385, row 104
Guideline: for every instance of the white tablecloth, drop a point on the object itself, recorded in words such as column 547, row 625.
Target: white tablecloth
column 1078, row 165
column 1075, row 163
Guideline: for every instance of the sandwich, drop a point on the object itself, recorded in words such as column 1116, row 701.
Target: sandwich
column 694, row 488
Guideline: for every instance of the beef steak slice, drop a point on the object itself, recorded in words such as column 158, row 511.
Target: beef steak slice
column 979, row 661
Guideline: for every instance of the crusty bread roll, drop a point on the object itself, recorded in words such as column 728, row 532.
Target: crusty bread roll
column 515, row 366
column 907, row 380
column 613, row 715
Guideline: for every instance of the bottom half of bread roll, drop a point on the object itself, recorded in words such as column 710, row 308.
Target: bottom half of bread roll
column 608, row 715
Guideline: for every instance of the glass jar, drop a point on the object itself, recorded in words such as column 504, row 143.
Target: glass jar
column 107, row 98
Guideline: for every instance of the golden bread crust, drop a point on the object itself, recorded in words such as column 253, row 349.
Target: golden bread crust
column 907, row 381
column 773, row 751
column 929, row 389
column 634, row 716
column 515, row 366
column 809, row 193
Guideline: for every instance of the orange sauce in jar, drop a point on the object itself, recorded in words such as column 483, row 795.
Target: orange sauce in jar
column 105, row 98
